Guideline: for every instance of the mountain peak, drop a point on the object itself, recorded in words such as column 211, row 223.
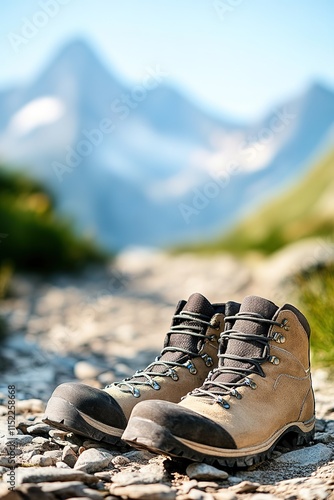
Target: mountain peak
column 77, row 48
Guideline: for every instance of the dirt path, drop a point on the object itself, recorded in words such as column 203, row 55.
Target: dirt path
column 96, row 328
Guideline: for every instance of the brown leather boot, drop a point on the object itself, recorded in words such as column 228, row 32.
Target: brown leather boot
column 189, row 353
column 260, row 395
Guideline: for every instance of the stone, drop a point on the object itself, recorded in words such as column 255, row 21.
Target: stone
column 320, row 425
column 120, row 460
column 205, row 471
column 3, row 470
column 195, row 494
column 104, row 475
column 62, row 465
column 144, row 492
column 54, row 454
column 18, row 439
column 41, row 460
column 225, row 494
column 323, row 437
column 203, row 485
column 69, row 489
column 265, row 496
column 40, row 475
column 69, row 456
column 93, row 460
column 84, row 370
column 56, row 433
column 245, row 487
column 39, row 429
column 148, row 474
column 30, row 405
column 306, row 456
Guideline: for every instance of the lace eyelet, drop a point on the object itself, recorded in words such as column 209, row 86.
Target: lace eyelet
column 285, row 325
column 173, row 375
column 250, row 383
column 278, row 337
column 191, row 368
column 221, row 401
column 236, row 394
column 207, row 359
column 155, row 385
column 136, row 392
column 274, row 360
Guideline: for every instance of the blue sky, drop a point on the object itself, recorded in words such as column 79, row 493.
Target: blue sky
column 237, row 57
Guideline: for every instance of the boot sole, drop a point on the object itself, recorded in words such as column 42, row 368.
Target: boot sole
column 145, row 434
column 63, row 415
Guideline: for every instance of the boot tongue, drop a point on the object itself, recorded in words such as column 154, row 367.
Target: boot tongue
column 252, row 348
column 197, row 304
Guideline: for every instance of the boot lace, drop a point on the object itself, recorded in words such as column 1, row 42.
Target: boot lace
column 214, row 389
column 130, row 384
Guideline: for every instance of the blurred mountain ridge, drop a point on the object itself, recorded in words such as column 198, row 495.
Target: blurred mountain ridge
column 142, row 164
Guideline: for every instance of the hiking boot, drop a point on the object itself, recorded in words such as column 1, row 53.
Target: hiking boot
column 189, row 353
column 260, row 395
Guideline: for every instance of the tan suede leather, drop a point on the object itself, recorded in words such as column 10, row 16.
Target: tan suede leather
column 174, row 390
column 283, row 397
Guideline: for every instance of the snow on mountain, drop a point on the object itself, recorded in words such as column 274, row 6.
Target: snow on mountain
column 141, row 164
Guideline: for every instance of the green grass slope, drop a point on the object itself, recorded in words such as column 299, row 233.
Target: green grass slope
column 305, row 210
column 32, row 236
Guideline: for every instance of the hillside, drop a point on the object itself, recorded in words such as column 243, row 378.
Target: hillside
column 32, row 236
column 306, row 210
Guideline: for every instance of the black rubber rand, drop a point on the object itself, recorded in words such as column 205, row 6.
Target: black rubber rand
column 148, row 435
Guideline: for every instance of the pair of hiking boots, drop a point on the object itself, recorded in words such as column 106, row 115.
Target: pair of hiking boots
column 231, row 383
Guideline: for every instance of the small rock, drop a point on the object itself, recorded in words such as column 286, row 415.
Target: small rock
column 265, row 496
column 120, row 460
column 41, row 460
column 30, row 405
column 62, row 465
column 56, row 433
column 195, row 494
column 313, row 493
column 39, row 429
column 55, row 455
column 68, row 456
column 187, row 486
column 306, row 456
column 40, row 475
column 144, row 492
column 19, row 440
column 70, row 489
column 323, row 437
column 40, row 440
column 204, row 471
column 245, row 487
column 3, row 470
column 138, row 456
column 225, row 494
column 320, row 425
column 104, row 475
column 93, row 460
column 202, row 485
column 84, row 370
column 149, row 474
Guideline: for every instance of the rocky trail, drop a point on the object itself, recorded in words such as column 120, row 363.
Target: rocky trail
column 101, row 326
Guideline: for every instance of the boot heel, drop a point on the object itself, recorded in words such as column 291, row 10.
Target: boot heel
column 293, row 438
